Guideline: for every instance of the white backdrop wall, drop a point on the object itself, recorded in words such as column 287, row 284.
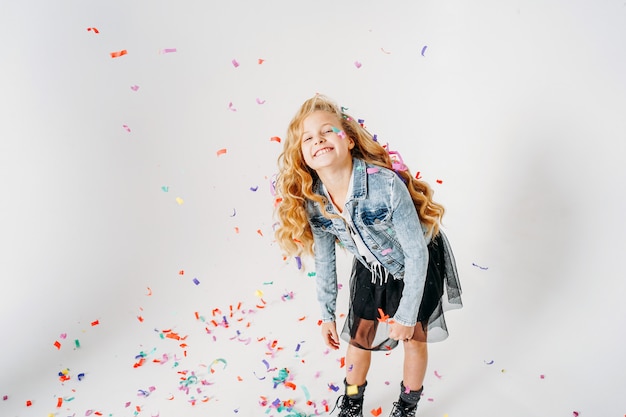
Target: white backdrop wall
column 125, row 233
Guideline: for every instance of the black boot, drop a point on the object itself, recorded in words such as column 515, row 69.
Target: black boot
column 403, row 409
column 349, row 407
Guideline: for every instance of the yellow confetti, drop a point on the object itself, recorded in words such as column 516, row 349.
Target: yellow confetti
column 258, row 293
column 180, row 201
column 352, row 390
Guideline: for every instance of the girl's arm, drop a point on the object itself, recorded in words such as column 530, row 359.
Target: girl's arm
column 410, row 235
column 325, row 273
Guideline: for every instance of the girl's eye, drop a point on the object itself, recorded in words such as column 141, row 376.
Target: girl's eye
column 328, row 131
column 307, row 138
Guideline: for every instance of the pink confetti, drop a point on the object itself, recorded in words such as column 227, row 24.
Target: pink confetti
column 259, row 101
column 168, row 50
column 372, row 170
column 63, row 335
column 437, row 375
column 357, row 64
column 575, row 413
column 134, row 87
column 386, row 251
column 230, row 107
column 235, row 63
column 126, row 128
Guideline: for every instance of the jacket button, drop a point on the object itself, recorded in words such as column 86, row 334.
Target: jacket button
column 390, row 261
column 375, row 247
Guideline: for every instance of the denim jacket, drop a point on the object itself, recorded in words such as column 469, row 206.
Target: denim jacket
column 384, row 215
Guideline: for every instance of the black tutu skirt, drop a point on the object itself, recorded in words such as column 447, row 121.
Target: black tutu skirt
column 370, row 297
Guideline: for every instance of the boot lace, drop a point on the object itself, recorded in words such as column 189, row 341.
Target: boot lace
column 401, row 409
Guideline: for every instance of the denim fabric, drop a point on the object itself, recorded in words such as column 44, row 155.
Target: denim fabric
column 384, row 215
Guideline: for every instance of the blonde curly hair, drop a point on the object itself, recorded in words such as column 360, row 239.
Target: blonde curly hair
column 294, row 184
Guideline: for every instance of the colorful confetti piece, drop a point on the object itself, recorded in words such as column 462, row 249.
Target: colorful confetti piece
column 118, row 54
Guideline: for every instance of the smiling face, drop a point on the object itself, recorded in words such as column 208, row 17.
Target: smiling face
column 323, row 143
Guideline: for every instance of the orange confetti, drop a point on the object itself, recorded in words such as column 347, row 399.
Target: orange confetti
column 275, row 139
column 383, row 317
column 222, row 151
column 291, row 385
column 118, row 53
column 57, row 344
column 261, row 61
column 377, row 411
column 439, row 181
column 93, row 29
column 95, row 323
column 239, row 378
column 140, row 319
column 259, row 232
column 181, row 272
column 342, row 362
column 138, row 364
column 59, row 402
column 149, row 291
column 302, row 318
column 236, row 230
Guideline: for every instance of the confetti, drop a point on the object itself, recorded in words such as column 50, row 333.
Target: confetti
column 134, row 87
column 484, row 268
column 126, row 128
column 167, row 50
column 437, row 375
column 259, row 101
column 299, row 262
column 385, row 51
column 377, row 411
column 119, row 53
column 489, row 363
column 94, row 30
column 180, row 201
column 261, row 61
column 424, row 49
column 222, row 151
column 372, row 170
column 357, row 64
column 195, row 281
column 255, row 188
column 275, row 139
column 235, row 63
column 230, row 107
column 386, row 251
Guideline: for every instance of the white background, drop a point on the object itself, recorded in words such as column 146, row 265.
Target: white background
column 519, row 108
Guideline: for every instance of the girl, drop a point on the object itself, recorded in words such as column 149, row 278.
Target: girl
column 337, row 185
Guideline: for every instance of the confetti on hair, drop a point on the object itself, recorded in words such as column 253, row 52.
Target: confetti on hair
column 221, row 151
column 235, row 63
column 424, row 49
column 484, row 268
column 118, row 54
column 357, row 64
column 94, row 30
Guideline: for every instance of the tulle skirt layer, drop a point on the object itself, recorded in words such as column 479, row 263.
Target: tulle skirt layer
column 374, row 300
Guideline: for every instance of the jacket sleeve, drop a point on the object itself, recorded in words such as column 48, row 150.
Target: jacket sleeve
column 325, row 273
column 409, row 234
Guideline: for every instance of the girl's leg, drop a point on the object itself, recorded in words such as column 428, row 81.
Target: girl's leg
column 357, row 365
column 415, row 363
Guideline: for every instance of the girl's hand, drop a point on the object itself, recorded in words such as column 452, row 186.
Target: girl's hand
column 400, row 332
column 329, row 334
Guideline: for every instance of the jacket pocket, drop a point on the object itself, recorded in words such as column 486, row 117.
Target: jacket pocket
column 375, row 217
column 321, row 223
